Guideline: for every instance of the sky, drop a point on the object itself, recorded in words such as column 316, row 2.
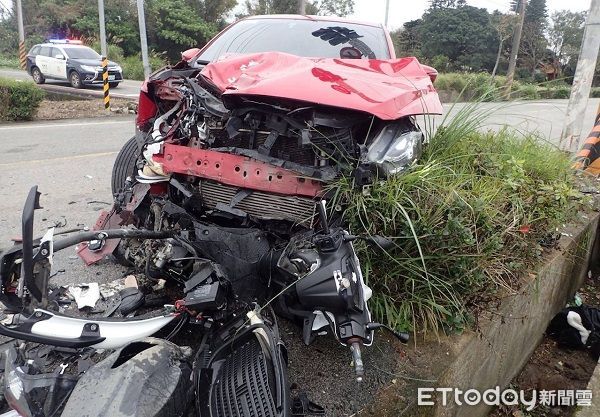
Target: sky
column 404, row 10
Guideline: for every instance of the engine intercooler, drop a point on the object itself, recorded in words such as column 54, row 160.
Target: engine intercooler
column 261, row 205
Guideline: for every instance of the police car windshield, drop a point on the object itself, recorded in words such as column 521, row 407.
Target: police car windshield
column 82, row 52
column 309, row 38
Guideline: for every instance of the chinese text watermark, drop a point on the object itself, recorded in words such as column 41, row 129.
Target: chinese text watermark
column 495, row 396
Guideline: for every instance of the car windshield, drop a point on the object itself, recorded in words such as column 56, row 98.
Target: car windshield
column 82, row 53
column 309, row 38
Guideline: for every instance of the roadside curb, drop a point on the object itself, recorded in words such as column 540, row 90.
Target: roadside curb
column 594, row 387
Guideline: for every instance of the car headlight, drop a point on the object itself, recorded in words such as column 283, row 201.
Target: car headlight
column 88, row 68
column 118, row 68
column 395, row 148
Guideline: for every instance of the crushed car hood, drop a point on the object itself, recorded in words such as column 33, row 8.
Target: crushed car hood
column 388, row 89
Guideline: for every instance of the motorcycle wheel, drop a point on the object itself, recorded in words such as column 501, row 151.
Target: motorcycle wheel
column 125, row 165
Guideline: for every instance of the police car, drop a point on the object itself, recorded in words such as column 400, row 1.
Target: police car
column 71, row 61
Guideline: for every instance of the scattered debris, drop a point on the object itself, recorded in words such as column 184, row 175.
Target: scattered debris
column 85, row 295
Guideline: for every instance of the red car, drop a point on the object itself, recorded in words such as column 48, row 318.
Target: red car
column 221, row 208
column 350, row 65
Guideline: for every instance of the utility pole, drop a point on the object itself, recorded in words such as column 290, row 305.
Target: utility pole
column 103, row 50
column 22, row 52
column 301, row 6
column 387, row 11
column 514, row 51
column 143, row 39
column 582, row 82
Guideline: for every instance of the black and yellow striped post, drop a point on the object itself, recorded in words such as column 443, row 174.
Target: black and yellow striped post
column 22, row 55
column 105, row 83
column 588, row 158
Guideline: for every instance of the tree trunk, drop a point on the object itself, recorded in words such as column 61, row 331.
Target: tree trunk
column 498, row 58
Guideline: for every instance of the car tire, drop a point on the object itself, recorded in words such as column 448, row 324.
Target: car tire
column 113, row 85
column 37, row 76
column 125, row 165
column 75, row 79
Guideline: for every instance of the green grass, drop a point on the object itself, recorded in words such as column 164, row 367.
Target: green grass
column 475, row 86
column 9, row 62
column 467, row 221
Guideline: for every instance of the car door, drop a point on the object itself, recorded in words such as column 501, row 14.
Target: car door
column 57, row 65
column 42, row 61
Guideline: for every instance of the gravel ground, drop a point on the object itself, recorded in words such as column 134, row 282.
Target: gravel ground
column 77, row 109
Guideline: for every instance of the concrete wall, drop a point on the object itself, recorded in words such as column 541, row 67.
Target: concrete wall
column 508, row 335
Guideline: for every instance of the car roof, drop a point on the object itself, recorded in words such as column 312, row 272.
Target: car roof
column 62, row 45
column 313, row 18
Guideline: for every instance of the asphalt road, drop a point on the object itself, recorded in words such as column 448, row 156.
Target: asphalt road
column 71, row 162
column 126, row 89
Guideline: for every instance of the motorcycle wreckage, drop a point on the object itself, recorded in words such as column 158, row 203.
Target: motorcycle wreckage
column 221, row 199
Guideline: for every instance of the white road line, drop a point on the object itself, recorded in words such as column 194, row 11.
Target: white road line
column 36, row 126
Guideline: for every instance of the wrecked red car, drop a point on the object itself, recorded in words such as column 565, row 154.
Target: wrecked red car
column 223, row 195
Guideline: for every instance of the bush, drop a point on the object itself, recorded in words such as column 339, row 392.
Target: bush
column 451, row 82
column 473, row 86
column 133, row 68
column 527, row 92
column 9, row 61
column 19, row 100
column 560, row 92
column 115, row 53
column 440, row 62
column 468, row 221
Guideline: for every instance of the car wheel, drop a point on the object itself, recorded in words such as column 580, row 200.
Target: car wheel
column 75, row 79
column 37, row 76
column 125, row 165
column 113, row 85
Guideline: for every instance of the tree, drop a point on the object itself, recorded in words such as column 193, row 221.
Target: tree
column 213, row 10
column 463, row 34
column 340, row 8
column 504, row 26
column 8, row 33
column 173, row 25
column 446, row 4
column 533, row 40
column 565, row 34
column 536, row 13
column 406, row 40
column 320, row 7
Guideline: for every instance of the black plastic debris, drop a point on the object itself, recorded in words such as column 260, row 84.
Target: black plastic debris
column 577, row 328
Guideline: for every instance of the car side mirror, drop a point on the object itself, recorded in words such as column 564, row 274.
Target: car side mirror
column 188, row 55
column 59, row 56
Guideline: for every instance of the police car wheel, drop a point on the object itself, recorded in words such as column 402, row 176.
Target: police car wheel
column 37, row 76
column 75, row 79
column 113, row 85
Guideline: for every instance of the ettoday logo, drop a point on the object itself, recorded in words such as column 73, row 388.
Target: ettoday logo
column 495, row 396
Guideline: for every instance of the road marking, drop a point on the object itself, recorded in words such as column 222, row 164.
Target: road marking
column 61, row 158
column 35, row 126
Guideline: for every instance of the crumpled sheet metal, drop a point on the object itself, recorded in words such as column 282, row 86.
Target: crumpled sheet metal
column 388, row 89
